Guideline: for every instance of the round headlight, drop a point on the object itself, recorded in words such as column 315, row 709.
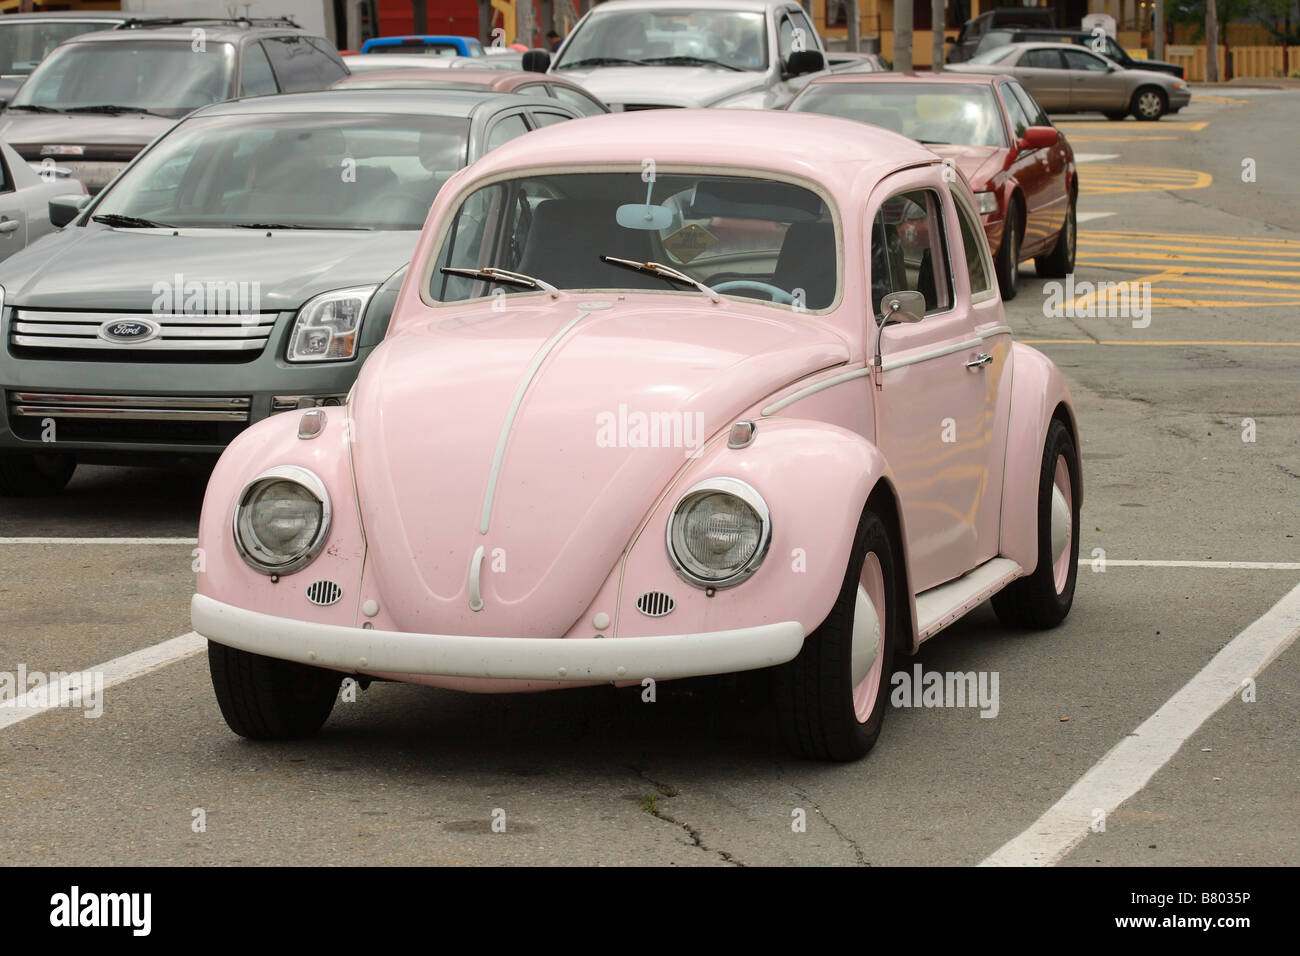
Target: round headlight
column 281, row 520
column 718, row 533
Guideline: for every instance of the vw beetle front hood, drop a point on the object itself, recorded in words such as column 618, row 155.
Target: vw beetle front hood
column 544, row 434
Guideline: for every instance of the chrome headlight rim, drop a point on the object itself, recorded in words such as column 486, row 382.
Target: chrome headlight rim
column 305, row 555
column 747, row 494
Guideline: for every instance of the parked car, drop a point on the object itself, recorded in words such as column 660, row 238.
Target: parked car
column 27, row 38
column 502, row 81
column 358, row 64
column 646, row 54
column 1021, row 168
column 625, row 430
column 966, row 43
column 99, row 98
column 1065, row 78
column 424, row 46
column 850, row 62
column 244, row 264
column 1099, row 42
column 25, row 195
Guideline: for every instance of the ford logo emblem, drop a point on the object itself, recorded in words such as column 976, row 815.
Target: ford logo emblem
column 130, row 331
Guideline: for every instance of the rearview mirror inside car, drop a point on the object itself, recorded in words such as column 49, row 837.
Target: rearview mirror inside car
column 647, row 216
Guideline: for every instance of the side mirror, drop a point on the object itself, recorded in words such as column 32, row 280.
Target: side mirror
column 536, row 61
column 1038, row 137
column 64, row 209
column 805, row 61
column 904, row 306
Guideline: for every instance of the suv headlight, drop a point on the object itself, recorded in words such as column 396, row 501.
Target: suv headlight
column 986, row 202
column 281, row 520
column 718, row 533
column 327, row 327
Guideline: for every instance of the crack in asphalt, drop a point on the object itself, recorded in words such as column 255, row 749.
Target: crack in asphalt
column 651, row 807
column 857, row 850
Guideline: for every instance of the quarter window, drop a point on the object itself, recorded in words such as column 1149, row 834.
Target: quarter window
column 909, row 250
column 1042, row 59
column 974, row 244
column 505, row 130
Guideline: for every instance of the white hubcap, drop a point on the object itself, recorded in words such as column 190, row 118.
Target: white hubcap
column 1060, row 523
column 866, row 636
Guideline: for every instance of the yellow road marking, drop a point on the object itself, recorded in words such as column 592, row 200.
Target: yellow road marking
column 1109, row 235
column 1182, row 126
column 1205, row 269
column 1099, row 178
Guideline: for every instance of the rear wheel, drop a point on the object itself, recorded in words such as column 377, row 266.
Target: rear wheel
column 264, row 698
column 1149, row 103
column 1007, row 261
column 831, row 699
column 29, row 475
column 1059, row 263
column 1042, row 599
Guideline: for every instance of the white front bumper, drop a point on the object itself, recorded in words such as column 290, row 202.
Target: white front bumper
column 355, row 649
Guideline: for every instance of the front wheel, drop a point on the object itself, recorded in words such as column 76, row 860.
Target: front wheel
column 831, row 699
column 1149, row 103
column 1059, row 263
column 264, row 698
column 1007, row 262
column 29, row 475
column 1042, row 599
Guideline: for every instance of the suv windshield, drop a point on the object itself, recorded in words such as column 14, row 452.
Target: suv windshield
column 933, row 113
column 730, row 38
column 757, row 238
column 290, row 170
column 155, row 76
column 24, row 43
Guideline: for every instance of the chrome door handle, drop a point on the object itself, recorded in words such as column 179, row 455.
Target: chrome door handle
column 8, row 225
column 980, row 360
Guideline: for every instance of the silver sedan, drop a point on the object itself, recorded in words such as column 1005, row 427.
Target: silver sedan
column 25, row 194
column 1065, row 78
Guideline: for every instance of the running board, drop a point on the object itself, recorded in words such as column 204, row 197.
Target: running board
column 940, row 606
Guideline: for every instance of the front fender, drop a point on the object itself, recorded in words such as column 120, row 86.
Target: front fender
column 222, row 574
column 1038, row 394
column 816, row 479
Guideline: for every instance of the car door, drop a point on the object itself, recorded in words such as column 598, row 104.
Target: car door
column 1091, row 84
column 1032, row 170
column 13, row 214
column 932, row 421
column 1043, row 73
column 1053, row 161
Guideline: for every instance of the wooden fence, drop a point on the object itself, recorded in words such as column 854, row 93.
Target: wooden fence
column 1247, row 61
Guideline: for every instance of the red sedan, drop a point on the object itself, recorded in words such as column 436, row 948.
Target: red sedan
column 1019, row 165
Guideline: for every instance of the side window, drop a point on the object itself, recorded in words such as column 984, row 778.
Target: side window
column 784, row 40
column 1035, row 112
column 505, row 130
column 331, row 64
column 909, row 250
column 532, row 89
column 805, row 37
column 580, row 102
column 6, row 182
column 541, row 119
column 300, row 66
column 1020, row 121
column 1082, row 60
column 976, row 247
column 1042, row 59
column 258, row 78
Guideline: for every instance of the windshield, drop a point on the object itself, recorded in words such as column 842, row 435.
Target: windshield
column 157, row 76
column 729, row 38
column 934, row 113
column 996, row 55
column 757, row 238
column 25, row 43
column 321, row 171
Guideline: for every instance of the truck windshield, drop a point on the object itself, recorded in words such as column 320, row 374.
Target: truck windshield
column 24, row 43
column 732, row 39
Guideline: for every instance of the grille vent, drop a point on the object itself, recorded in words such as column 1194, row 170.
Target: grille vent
column 655, row 604
column 324, row 593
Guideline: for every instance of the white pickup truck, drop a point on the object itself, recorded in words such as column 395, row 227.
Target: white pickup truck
column 649, row 54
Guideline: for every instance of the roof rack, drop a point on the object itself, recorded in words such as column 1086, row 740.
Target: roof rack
column 134, row 23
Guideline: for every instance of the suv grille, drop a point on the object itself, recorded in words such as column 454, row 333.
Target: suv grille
column 157, row 337
column 129, row 418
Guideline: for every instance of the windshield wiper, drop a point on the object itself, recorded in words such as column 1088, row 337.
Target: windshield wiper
column 33, row 108
column 112, row 110
column 701, row 61
column 600, row 61
column 490, row 274
column 293, row 225
column 129, row 222
column 663, row 272
column 933, row 142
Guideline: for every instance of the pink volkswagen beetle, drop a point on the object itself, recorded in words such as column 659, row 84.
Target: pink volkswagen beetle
column 664, row 394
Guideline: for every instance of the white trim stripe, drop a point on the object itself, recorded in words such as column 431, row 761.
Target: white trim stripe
column 99, row 540
column 1132, row 762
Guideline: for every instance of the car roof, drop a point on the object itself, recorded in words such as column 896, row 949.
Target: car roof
column 450, row 78
column 218, row 30
column 111, row 16
column 1042, row 44
column 923, row 78
column 824, row 149
column 454, row 103
column 747, row 5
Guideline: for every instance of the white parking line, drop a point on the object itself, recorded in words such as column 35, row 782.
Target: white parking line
column 1132, row 762
column 116, row 671
column 1082, row 217
column 99, row 540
